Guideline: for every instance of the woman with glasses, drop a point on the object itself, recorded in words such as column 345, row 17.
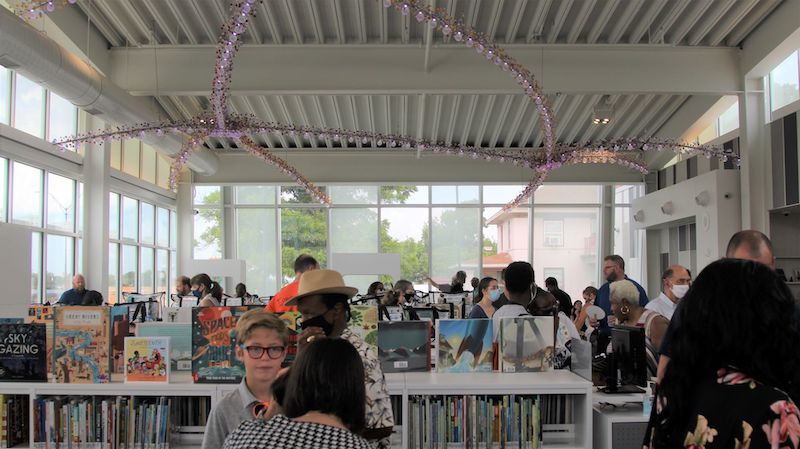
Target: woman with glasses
column 261, row 339
column 323, row 406
column 488, row 292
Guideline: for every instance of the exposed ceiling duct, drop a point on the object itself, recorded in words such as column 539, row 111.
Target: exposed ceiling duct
column 43, row 60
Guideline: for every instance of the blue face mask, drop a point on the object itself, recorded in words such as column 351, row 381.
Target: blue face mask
column 197, row 294
column 494, row 295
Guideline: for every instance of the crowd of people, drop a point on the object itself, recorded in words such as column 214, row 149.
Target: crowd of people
column 720, row 348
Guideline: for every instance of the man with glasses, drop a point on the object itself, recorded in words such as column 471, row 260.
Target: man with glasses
column 675, row 283
column 261, row 341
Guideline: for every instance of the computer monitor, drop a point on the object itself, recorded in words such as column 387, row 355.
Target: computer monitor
column 629, row 366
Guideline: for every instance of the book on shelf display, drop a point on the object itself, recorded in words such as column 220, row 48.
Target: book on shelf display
column 213, row 345
column 404, row 346
column 464, row 346
column 290, row 320
column 82, row 344
column 44, row 315
column 364, row 323
column 120, row 328
column 180, row 344
column 147, row 359
column 23, row 352
column 526, row 344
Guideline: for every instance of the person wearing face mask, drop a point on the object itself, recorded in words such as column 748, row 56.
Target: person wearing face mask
column 322, row 300
column 613, row 270
column 488, row 292
column 675, row 283
column 207, row 291
column 376, row 289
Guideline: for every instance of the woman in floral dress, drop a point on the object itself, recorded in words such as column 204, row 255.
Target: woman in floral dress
column 735, row 368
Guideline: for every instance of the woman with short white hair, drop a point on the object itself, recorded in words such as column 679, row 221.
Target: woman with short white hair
column 627, row 311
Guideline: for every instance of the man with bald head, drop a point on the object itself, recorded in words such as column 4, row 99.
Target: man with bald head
column 74, row 296
column 675, row 283
column 749, row 245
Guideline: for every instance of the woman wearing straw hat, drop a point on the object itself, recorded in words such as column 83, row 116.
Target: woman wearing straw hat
column 322, row 300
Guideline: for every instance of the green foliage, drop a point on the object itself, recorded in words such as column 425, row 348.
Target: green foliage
column 211, row 237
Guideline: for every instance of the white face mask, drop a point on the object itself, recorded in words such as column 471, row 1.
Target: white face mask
column 680, row 290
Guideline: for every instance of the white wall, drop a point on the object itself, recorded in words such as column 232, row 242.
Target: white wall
column 15, row 277
column 716, row 221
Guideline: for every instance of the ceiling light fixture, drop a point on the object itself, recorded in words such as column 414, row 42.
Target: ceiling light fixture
column 603, row 112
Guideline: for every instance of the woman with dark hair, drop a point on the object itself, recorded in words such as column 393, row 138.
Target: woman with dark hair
column 241, row 292
column 488, row 292
column 208, row 291
column 323, row 404
column 376, row 289
column 456, row 284
column 734, row 365
column 402, row 294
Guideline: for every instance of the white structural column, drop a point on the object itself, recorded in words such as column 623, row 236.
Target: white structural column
column 185, row 224
column 755, row 152
column 96, row 176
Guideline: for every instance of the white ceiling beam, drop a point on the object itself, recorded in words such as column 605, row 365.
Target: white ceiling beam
column 592, row 130
column 558, row 23
column 746, row 26
column 721, row 8
column 318, row 105
column 69, row 27
column 97, row 19
column 158, row 16
column 695, row 14
column 624, row 21
column 289, row 119
column 494, row 18
column 362, row 21
column 625, row 123
column 473, row 103
column 682, row 117
column 640, row 125
column 485, row 120
column 210, row 31
column 658, row 35
column 316, row 22
column 116, row 22
column 184, row 70
column 742, row 9
column 371, row 119
column 536, row 28
column 293, row 21
column 421, row 106
column 580, row 21
column 522, row 109
column 620, row 111
column 601, row 21
column 184, row 26
column 501, row 120
column 583, row 118
column 556, row 108
column 565, row 123
column 354, row 116
column 453, row 117
column 647, row 20
column 268, row 17
column 516, row 20
column 270, row 116
column 437, row 117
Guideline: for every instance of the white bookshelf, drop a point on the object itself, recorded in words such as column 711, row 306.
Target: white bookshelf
column 409, row 384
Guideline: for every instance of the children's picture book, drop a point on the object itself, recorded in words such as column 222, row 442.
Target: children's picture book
column 526, row 344
column 147, row 359
column 364, row 323
column 44, row 315
column 404, row 346
column 120, row 328
column 290, row 320
column 464, row 346
column 23, row 352
column 180, row 341
column 82, row 348
column 213, row 345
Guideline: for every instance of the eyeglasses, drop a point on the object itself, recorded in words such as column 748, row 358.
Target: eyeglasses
column 257, row 352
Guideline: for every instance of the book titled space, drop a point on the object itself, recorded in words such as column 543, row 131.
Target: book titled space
column 464, row 346
column 147, row 359
column 213, row 345
column 404, row 346
column 82, row 348
column 526, row 344
column 23, row 352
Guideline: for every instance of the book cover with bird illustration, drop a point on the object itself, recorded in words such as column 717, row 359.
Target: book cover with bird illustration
column 526, row 344
column 214, row 345
column 464, row 346
column 404, row 346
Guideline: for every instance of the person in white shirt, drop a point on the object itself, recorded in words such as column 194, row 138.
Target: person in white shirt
column 517, row 277
column 675, row 283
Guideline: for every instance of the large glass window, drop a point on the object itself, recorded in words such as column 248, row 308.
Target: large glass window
column 29, row 106
column 303, row 231
column 59, row 266
column 162, row 172
column 113, row 273
column 113, row 215
column 130, row 219
column 253, row 195
column 36, row 268
column 353, row 194
column 454, row 194
column 784, row 83
column 405, row 231
column 130, row 157
column 355, row 231
column 5, row 95
column 60, row 203
column 567, row 194
column 63, row 118
column 162, row 227
column 256, row 245
column 506, row 237
column 455, row 242
column 628, row 241
column 3, row 188
column 148, row 169
column 146, row 280
column 729, row 120
column 116, row 154
column 130, row 267
column 148, row 223
column 566, row 238
column 162, row 273
column 208, row 234
column 26, row 198
column 404, row 194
